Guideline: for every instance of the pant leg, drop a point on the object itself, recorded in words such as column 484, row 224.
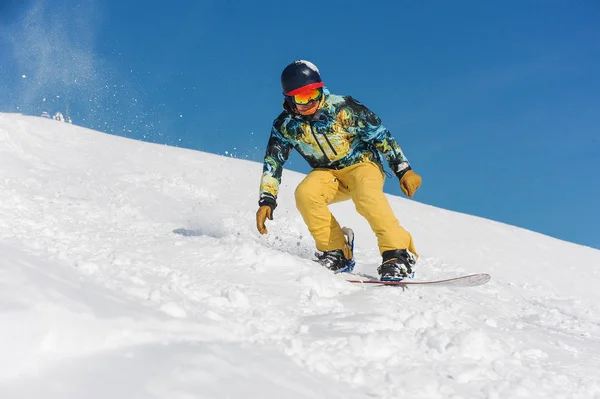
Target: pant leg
column 365, row 182
column 318, row 189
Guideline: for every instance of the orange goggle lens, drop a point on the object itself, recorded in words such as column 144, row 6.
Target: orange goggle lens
column 307, row 96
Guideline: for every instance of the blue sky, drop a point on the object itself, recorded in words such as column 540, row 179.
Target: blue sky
column 496, row 104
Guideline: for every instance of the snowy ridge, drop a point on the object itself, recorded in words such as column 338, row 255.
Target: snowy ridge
column 129, row 269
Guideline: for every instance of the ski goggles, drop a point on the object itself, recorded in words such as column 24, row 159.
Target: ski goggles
column 307, row 96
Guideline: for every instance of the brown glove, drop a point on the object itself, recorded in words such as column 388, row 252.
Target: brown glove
column 262, row 214
column 409, row 183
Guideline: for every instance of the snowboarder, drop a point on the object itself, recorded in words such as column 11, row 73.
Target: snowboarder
column 342, row 140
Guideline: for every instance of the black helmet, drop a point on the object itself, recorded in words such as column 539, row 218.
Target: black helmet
column 300, row 74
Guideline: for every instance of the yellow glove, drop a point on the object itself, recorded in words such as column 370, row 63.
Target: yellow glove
column 262, row 214
column 409, row 183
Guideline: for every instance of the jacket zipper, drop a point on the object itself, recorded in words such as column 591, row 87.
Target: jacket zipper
column 319, row 143
column 330, row 146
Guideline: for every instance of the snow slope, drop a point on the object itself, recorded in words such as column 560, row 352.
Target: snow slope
column 133, row 270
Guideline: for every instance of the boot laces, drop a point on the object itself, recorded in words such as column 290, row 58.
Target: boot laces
column 331, row 259
column 329, row 256
column 395, row 267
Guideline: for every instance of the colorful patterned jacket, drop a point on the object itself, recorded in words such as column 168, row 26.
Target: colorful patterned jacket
column 342, row 132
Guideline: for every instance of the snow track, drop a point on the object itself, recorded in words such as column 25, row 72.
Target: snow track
column 133, row 270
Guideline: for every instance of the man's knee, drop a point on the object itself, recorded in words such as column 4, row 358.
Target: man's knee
column 306, row 192
column 369, row 194
column 372, row 204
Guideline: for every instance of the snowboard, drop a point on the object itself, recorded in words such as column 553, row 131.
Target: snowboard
column 471, row 280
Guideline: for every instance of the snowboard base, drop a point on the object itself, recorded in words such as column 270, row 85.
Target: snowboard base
column 471, row 280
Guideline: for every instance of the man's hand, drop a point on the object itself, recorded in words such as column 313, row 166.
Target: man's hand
column 262, row 214
column 409, row 183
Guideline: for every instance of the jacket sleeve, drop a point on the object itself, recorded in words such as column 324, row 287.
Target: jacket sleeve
column 278, row 151
column 371, row 130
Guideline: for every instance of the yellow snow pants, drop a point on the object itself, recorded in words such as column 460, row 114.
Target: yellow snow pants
column 363, row 183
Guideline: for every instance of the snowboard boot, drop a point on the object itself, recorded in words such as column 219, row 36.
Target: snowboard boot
column 397, row 265
column 335, row 260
